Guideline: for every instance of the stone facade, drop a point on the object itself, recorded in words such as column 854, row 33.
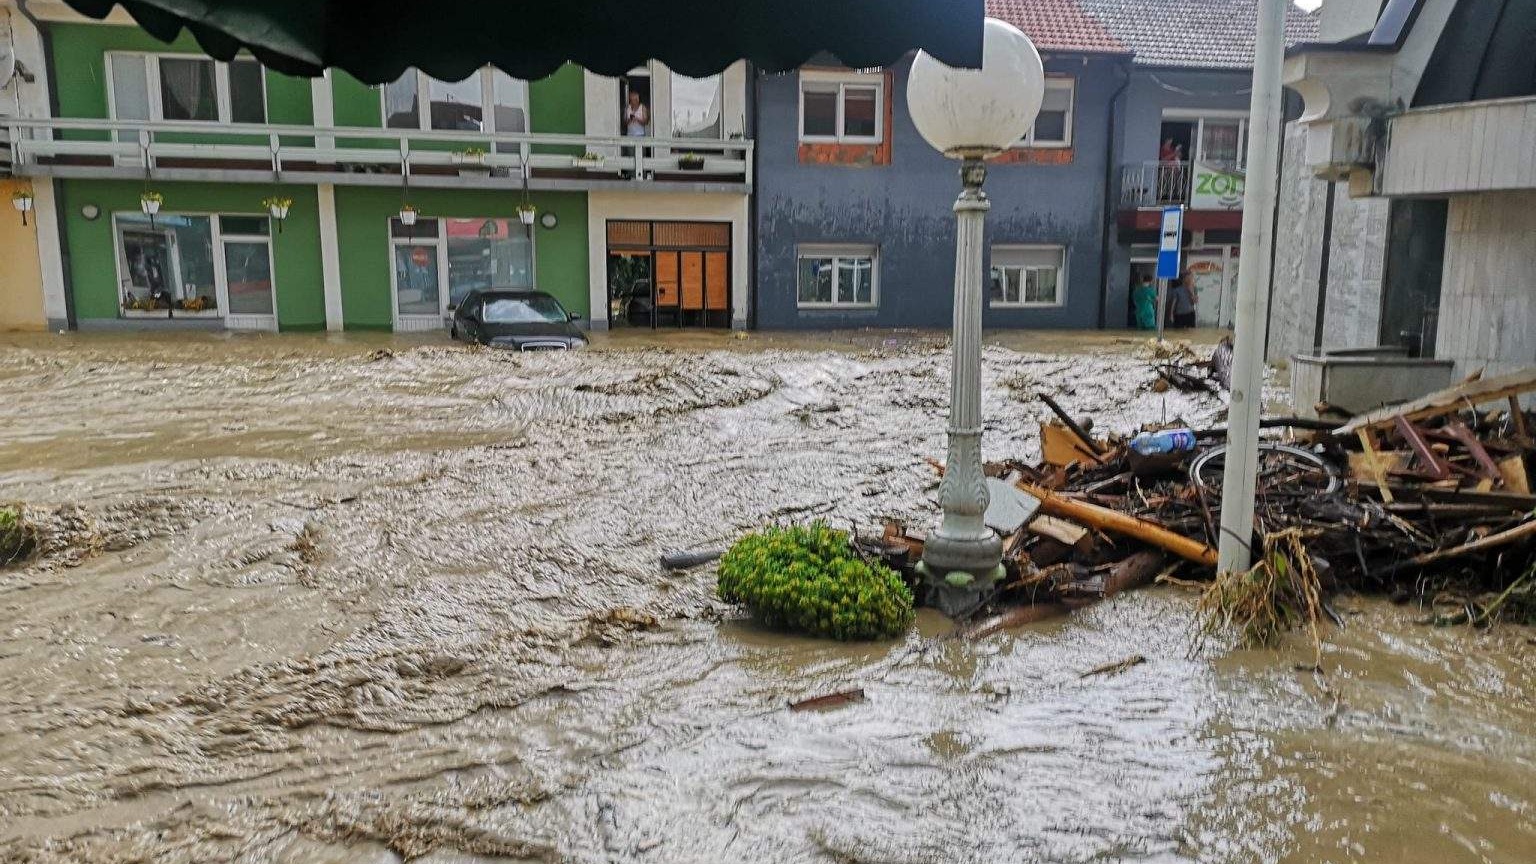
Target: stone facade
column 1490, row 260
column 1356, row 257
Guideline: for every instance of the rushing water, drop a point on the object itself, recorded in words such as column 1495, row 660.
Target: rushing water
column 339, row 600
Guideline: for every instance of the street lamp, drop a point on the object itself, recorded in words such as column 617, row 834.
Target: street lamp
column 971, row 115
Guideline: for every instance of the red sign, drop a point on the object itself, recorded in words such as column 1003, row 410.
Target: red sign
column 420, row 256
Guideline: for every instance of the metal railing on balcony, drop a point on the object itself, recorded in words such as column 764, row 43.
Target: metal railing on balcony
column 237, row 152
column 1154, row 184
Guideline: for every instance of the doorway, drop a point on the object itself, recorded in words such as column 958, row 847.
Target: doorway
column 675, row 274
column 638, row 81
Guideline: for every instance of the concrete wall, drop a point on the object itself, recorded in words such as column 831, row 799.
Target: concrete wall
column 904, row 209
column 21, row 275
column 1490, row 259
column 1356, row 256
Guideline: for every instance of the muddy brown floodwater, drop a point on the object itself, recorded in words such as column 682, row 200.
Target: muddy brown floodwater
column 306, row 599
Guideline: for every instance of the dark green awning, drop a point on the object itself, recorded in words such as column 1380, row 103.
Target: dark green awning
column 376, row 40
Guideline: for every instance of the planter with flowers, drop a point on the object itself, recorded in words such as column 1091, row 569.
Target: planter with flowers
column 145, row 306
column 150, row 202
column 407, row 215
column 526, row 212
column 471, row 160
column 198, row 306
column 690, row 162
column 277, row 207
column 587, row 160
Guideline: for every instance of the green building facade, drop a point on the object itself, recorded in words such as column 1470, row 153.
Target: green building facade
column 192, row 193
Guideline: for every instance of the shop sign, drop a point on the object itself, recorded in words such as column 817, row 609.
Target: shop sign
column 1216, row 188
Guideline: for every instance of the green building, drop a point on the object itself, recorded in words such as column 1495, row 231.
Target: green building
column 160, row 176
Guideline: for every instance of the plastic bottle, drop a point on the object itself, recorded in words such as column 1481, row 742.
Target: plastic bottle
column 1164, row 441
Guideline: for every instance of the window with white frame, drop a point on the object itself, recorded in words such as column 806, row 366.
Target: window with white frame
column 842, row 107
column 488, row 101
column 439, row 261
column 1053, row 125
column 1027, row 275
column 144, row 86
column 837, row 276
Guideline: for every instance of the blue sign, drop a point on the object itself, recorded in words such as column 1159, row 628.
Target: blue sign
column 1170, row 239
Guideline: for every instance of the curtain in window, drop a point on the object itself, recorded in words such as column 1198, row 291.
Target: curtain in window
column 696, row 106
column 187, row 89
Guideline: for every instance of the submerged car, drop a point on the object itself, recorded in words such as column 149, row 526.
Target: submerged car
column 517, row 320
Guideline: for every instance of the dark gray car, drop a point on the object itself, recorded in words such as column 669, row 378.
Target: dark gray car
column 518, row 320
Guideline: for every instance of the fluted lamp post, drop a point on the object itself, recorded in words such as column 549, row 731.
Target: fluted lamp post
column 971, row 115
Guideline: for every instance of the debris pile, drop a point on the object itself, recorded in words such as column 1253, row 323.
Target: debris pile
column 1430, row 500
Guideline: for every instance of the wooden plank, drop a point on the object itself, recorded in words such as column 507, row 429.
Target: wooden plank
column 1466, row 395
column 717, row 282
column 1374, row 464
column 1512, row 470
column 666, row 279
column 1059, row 446
column 1517, row 417
column 693, row 280
column 1060, row 530
column 1114, row 521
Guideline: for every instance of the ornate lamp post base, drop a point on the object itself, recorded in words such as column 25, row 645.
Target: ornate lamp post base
column 962, row 559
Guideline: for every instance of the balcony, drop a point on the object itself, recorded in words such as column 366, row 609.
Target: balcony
column 1199, row 185
column 365, row 156
column 1154, row 184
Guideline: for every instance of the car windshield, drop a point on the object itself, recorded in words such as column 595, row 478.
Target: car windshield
column 522, row 310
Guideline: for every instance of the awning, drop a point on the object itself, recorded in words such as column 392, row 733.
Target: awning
column 376, row 40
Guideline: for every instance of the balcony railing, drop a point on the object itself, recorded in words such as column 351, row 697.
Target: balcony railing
column 353, row 155
column 1154, row 184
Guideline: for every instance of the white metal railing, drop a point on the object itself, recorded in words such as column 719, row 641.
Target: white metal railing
column 1154, row 184
column 163, row 148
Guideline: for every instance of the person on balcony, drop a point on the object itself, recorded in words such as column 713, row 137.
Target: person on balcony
column 637, row 120
column 1167, row 171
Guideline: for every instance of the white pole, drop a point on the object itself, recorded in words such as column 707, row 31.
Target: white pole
column 1237, row 487
column 1162, row 307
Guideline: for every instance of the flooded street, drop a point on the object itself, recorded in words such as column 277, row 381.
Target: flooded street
column 310, row 599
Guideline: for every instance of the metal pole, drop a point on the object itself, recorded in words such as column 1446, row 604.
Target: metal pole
column 1239, row 478
column 1162, row 307
column 963, row 557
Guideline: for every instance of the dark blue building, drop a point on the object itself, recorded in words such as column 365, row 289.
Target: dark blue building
column 1146, row 106
column 853, row 221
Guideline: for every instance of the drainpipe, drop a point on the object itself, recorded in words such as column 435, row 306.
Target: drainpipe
column 1322, row 275
column 753, row 98
column 46, row 34
column 1109, row 191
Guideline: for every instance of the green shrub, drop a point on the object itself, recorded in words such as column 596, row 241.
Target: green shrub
column 18, row 537
column 809, row 578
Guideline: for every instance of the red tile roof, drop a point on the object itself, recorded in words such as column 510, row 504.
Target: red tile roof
column 1057, row 25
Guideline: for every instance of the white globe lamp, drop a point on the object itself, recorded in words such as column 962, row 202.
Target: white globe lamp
column 971, row 115
column 976, row 113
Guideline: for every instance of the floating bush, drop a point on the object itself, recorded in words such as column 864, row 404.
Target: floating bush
column 809, row 578
column 18, row 537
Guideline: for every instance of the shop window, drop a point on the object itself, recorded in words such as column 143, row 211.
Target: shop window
column 842, row 107
column 185, row 88
column 194, row 264
column 439, row 261
column 1027, row 275
column 837, row 276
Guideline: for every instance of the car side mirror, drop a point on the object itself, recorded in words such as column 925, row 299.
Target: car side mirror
column 575, row 316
